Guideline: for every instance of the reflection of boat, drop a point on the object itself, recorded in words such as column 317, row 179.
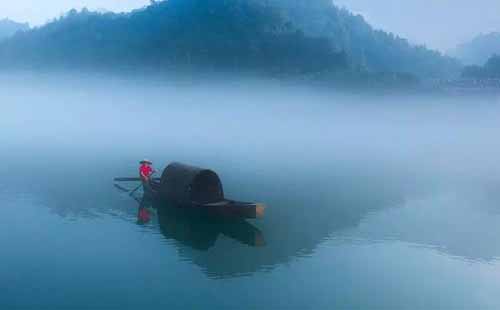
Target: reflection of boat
column 200, row 233
column 199, row 191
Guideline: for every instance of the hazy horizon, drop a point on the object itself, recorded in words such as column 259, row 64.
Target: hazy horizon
column 404, row 19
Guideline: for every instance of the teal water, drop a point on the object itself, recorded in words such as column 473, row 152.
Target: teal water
column 383, row 224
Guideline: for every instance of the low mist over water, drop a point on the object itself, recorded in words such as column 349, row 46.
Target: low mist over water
column 245, row 120
column 374, row 200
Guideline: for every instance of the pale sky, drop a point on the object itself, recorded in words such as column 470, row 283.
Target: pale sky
column 439, row 24
column 37, row 12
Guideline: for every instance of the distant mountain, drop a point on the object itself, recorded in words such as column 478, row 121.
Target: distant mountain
column 490, row 70
column 274, row 36
column 9, row 28
column 371, row 49
column 478, row 50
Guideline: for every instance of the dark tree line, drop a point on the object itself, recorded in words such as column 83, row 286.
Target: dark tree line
column 490, row 70
column 218, row 35
column 273, row 36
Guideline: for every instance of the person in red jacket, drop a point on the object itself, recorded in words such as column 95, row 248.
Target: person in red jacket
column 145, row 172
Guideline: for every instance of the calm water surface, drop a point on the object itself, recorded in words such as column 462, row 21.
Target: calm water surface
column 360, row 215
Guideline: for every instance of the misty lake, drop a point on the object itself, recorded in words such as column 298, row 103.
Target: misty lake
column 374, row 201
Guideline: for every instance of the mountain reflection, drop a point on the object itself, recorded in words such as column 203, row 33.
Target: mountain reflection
column 202, row 233
column 295, row 224
column 306, row 207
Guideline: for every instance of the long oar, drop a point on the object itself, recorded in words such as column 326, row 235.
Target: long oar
column 127, row 179
column 131, row 179
column 123, row 189
column 135, row 190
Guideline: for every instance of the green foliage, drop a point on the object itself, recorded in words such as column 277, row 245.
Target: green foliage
column 273, row 36
column 491, row 70
column 372, row 50
column 218, row 35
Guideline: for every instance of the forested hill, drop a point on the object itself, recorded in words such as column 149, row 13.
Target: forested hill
column 490, row 70
column 9, row 27
column 277, row 36
column 371, row 49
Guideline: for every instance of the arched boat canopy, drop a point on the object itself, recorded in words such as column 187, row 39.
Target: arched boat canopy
column 185, row 185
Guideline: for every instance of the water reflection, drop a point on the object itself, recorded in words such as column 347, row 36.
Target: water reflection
column 201, row 233
column 455, row 224
column 144, row 214
column 296, row 223
column 308, row 205
column 303, row 211
column 196, row 231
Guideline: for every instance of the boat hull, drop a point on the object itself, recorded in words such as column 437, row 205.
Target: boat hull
column 223, row 209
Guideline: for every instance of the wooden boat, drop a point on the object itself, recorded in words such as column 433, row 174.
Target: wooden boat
column 198, row 191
